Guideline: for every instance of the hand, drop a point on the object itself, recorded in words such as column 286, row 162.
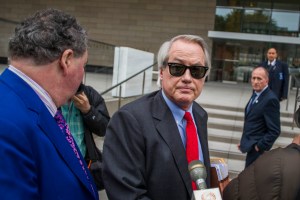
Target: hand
column 256, row 148
column 239, row 146
column 81, row 102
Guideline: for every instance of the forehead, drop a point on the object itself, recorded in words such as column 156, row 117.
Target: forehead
column 271, row 51
column 184, row 50
column 259, row 73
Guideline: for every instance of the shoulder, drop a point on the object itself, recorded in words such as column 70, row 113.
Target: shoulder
column 143, row 103
column 270, row 95
column 281, row 63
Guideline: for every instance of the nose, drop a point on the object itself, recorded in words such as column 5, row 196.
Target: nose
column 187, row 75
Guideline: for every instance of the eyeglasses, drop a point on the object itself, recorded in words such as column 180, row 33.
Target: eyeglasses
column 177, row 69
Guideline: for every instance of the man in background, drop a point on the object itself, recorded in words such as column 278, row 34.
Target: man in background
column 86, row 113
column 150, row 142
column 262, row 118
column 278, row 74
column 39, row 158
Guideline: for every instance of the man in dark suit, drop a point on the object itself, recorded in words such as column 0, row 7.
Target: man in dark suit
column 262, row 118
column 144, row 153
column 39, row 159
column 278, row 74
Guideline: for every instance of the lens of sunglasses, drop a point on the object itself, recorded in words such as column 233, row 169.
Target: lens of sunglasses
column 177, row 69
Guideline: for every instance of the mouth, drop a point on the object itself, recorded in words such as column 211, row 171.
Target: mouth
column 185, row 89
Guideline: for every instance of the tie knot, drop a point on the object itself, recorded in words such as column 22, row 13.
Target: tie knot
column 188, row 116
column 254, row 95
column 59, row 118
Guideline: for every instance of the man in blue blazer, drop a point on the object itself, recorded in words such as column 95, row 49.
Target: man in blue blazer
column 47, row 56
column 144, row 153
column 278, row 74
column 262, row 118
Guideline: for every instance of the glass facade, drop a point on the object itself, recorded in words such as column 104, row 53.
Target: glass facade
column 246, row 29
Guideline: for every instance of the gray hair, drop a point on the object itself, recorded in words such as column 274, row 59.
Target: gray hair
column 163, row 53
column 44, row 36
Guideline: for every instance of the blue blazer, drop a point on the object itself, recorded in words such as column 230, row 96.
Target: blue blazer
column 151, row 161
column 261, row 123
column 37, row 162
column 278, row 78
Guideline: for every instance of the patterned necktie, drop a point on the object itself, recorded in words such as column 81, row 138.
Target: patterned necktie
column 61, row 122
column 192, row 151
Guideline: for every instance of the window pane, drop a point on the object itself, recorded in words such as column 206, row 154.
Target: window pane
column 285, row 23
column 228, row 19
column 256, row 21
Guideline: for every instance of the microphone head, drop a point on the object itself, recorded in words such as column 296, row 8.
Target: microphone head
column 197, row 170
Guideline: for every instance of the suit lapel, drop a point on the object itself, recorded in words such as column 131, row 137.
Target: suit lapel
column 257, row 101
column 164, row 123
column 201, row 130
column 47, row 123
column 50, row 128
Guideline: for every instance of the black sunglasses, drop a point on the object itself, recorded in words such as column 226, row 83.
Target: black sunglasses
column 177, row 69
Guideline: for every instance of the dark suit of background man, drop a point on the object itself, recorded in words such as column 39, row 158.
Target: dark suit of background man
column 47, row 56
column 144, row 149
column 278, row 74
column 262, row 120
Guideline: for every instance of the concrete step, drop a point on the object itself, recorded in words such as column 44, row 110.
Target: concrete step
column 214, row 112
column 225, row 126
column 237, row 125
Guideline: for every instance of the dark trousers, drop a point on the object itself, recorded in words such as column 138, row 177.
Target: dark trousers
column 252, row 156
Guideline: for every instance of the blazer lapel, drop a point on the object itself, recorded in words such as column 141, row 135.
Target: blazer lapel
column 257, row 102
column 50, row 128
column 165, row 123
column 201, row 130
column 47, row 123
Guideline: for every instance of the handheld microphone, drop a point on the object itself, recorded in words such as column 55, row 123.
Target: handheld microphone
column 198, row 173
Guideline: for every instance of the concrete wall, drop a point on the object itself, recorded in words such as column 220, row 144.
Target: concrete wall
column 140, row 24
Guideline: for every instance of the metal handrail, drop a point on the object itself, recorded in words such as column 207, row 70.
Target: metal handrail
column 129, row 78
column 120, row 84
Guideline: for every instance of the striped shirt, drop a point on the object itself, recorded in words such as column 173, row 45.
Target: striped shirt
column 43, row 95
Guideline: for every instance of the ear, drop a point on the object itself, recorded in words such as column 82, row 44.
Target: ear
column 161, row 73
column 66, row 60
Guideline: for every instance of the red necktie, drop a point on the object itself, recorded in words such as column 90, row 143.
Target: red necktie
column 192, row 152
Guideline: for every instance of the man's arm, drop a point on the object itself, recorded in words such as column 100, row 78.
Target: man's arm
column 97, row 116
column 272, row 119
column 124, row 170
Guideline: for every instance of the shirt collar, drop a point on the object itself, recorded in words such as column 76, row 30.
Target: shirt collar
column 43, row 95
column 177, row 112
column 259, row 93
column 272, row 63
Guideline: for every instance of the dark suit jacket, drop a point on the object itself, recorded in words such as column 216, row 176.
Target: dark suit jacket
column 274, row 175
column 143, row 155
column 261, row 123
column 278, row 78
column 36, row 159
